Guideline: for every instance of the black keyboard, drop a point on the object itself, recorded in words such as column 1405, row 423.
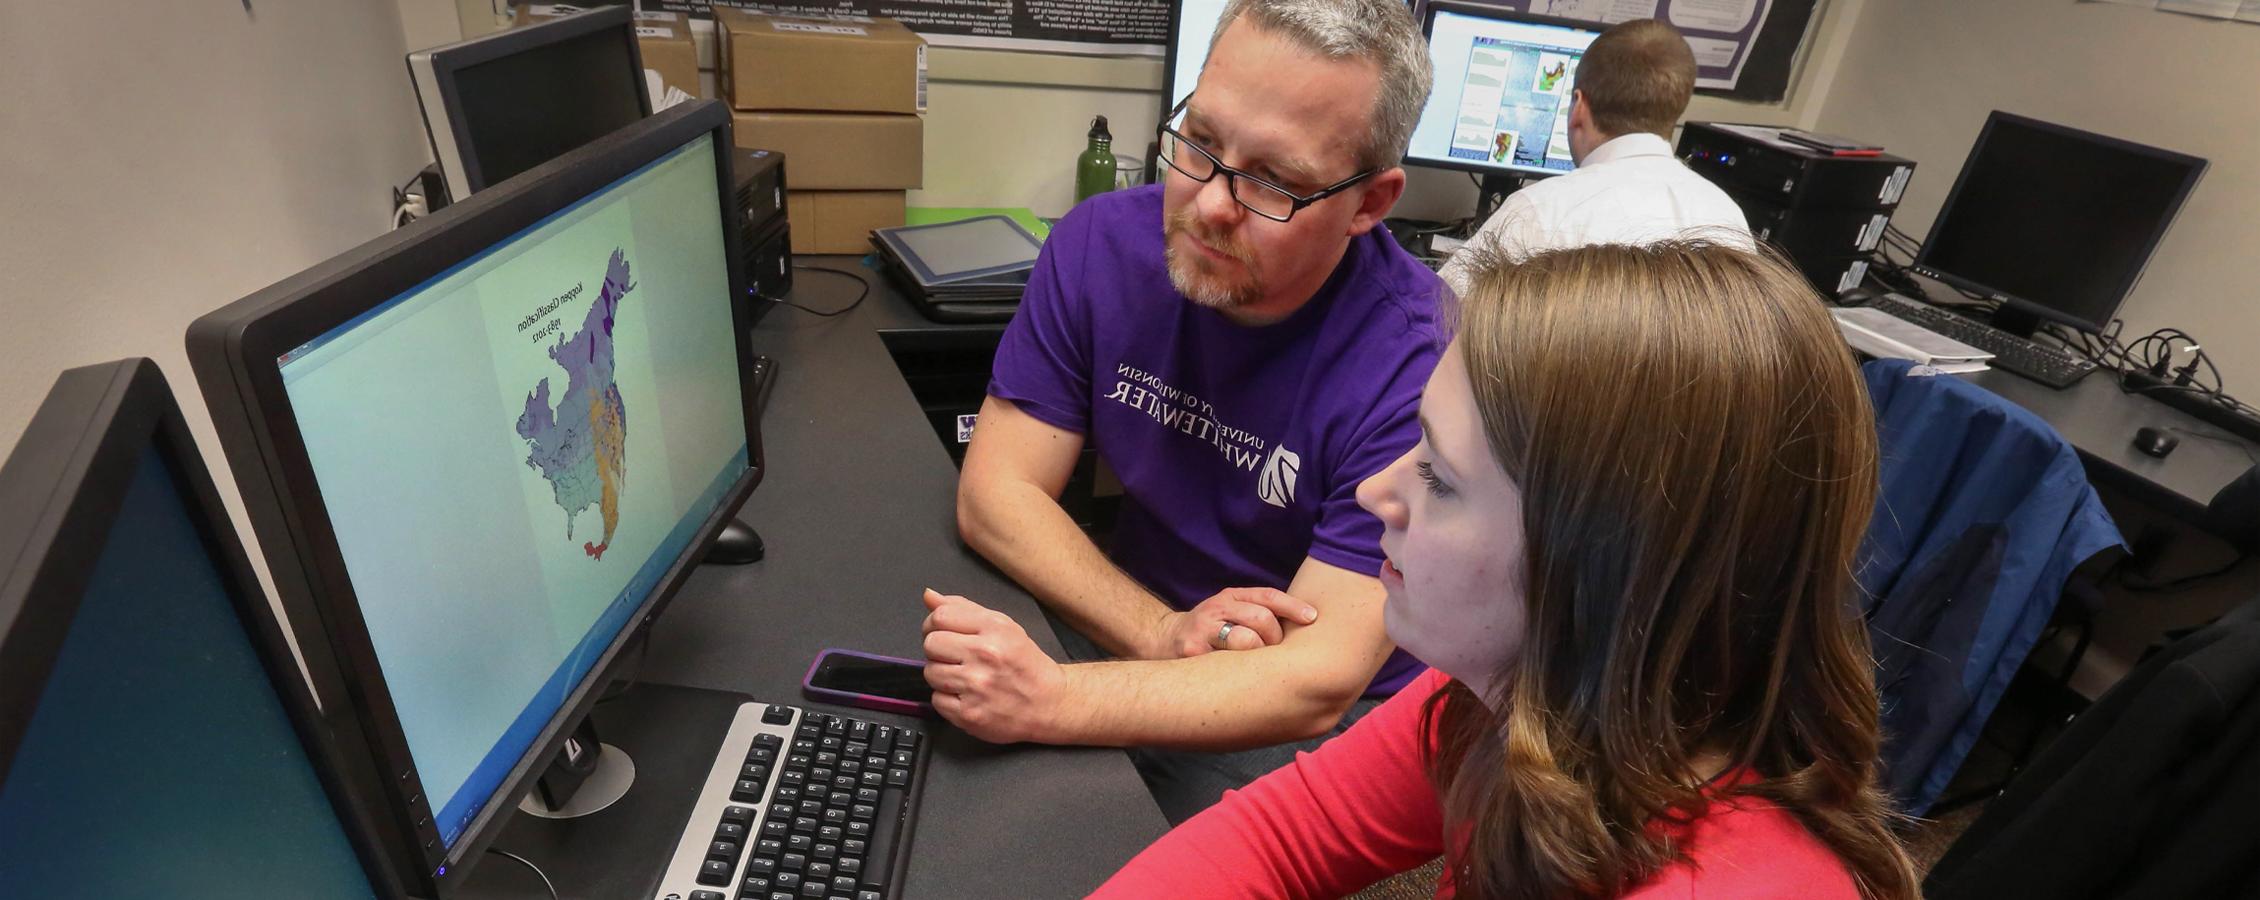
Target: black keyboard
column 2040, row 362
column 801, row 805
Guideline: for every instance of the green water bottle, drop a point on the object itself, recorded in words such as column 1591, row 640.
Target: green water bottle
column 1094, row 170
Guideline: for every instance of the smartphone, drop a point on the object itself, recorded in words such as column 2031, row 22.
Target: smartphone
column 870, row 681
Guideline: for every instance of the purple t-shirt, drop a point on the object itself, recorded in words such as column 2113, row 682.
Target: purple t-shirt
column 1240, row 448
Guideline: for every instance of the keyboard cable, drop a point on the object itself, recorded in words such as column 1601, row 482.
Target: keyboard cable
column 528, row 864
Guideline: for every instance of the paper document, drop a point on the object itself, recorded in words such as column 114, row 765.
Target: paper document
column 1883, row 335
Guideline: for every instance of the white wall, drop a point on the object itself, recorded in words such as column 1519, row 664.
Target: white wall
column 1919, row 76
column 165, row 161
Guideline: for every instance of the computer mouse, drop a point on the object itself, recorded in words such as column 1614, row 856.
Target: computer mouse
column 2155, row 441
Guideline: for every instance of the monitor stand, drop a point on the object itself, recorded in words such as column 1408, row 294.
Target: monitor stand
column 2007, row 317
column 587, row 775
column 737, row 545
column 1491, row 195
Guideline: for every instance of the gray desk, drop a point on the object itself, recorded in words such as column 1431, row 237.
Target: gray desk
column 2100, row 421
column 857, row 510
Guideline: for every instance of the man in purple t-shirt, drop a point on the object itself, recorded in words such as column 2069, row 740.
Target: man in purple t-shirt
column 1241, row 374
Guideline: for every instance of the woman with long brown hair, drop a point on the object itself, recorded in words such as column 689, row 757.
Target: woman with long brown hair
column 1625, row 544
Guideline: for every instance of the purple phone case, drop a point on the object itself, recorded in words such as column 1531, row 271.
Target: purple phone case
column 862, row 701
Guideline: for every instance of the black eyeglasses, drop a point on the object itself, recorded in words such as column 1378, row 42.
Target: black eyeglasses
column 1262, row 197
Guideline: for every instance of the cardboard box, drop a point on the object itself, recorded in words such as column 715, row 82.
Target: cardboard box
column 663, row 39
column 839, row 64
column 841, row 221
column 840, row 151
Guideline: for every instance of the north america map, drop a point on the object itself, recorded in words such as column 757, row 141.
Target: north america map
column 580, row 444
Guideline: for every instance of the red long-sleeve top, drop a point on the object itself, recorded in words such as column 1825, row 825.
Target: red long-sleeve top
column 1361, row 808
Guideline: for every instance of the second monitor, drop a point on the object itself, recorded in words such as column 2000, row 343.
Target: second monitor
column 1503, row 89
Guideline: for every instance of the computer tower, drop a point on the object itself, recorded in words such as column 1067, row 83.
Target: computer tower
column 1826, row 212
column 763, row 232
column 1751, row 160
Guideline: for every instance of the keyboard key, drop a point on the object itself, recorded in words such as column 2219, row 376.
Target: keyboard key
column 904, row 758
column 898, row 777
column 715, row 872
column 830, row 833
column 818, row 870
column 870, row 895
column 793, row 862
column 778, row 715
column 741, row 815
column 811, row 807
column 774, row 828
column 850, row 866
column 815, row 791
column 866, row 795
column 761, row 866
column 859, row 829
column 780, row 810
column 785, row 795
column 820, row 773
column 768, row 739
column 812, row 889
column 786, row 880
column 857, row 748
column 800, row 843
column 843, row 883
column 762, row 755
column 839, row 800
column 874, row 779
column 722, row 850
column 830, row 742
column 747, row 791
column 755, row 886
column 853, row 765
column 769, row 848
column 835, row 816
column 730, row 831
column 864, row 811
column 791, row 778
column 756, row 772
column 906, row 739
column 804, row 825
column 827, row 758
column 826, row 852
column 835, row 725
column 874, row 762
column 853, row 848
column 859, row 730
column 796, row 761
column 707, row 895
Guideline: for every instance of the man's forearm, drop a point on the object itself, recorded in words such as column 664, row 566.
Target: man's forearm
column 1212, row 702
column 1024, row 531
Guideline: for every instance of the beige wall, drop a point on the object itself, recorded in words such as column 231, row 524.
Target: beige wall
column 1919, row 76
column 163, row 163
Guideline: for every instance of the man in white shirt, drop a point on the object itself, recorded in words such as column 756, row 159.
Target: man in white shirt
column 1632, row 86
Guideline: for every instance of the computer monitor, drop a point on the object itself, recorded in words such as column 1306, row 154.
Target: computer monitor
column 1192, row 26
column 2053, row 222
column 482, row 454
column 156, row 738
column 1501, row 102
column 497, row 105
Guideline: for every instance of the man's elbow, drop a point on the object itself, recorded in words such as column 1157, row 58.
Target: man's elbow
column 1324, row 704
column 972, row 520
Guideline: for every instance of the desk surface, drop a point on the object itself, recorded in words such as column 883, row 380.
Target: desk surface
column 857, row 510
column 2100, row 420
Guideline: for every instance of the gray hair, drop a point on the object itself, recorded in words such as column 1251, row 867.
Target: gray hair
column 1380, row 31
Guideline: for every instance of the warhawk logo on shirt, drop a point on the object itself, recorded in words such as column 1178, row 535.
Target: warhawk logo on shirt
column 1183, row 412
column 1276, row 485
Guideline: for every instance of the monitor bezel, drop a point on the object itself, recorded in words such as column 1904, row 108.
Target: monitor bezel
column 1427, row 12
column 436, row 70
column 236, row 349
column 2195, row 170
column 78, row 457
